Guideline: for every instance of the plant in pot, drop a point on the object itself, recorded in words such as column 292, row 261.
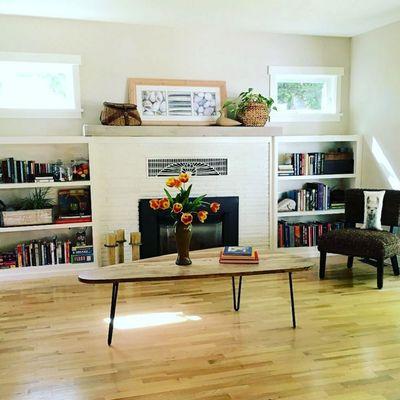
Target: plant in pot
column 183, row 209
column 250, row 108
column 35, row 209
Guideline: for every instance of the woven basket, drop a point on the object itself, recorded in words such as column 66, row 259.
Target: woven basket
column 256, row 114
column 120, row 114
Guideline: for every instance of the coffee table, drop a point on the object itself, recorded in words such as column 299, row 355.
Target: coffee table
column 205, row 265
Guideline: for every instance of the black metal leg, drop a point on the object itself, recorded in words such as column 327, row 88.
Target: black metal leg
column 379, row 273
column 292, row 300
column 236, row 302
column 322, row 264
column 114, row 296
column 395, row 265
column 350, row 262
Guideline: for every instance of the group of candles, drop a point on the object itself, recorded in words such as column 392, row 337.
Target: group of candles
column 116, row 240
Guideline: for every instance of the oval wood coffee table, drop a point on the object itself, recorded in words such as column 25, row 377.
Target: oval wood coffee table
column 205, row 265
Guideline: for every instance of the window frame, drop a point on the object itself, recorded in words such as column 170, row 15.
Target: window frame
column 313, row 115
column 73, row 60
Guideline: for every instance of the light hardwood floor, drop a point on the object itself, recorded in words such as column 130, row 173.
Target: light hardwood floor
column 346, row 346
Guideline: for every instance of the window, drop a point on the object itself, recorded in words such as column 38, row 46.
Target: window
column 39, row 85
column 306, row 93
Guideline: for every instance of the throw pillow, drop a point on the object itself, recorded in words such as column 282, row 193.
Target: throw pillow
column 373, row 203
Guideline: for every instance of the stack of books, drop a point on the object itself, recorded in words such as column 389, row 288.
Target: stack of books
column 314, row 196
column 81, row 254
column 238, row 255
column 285, row 170
column 8, row 260
column 304, row 234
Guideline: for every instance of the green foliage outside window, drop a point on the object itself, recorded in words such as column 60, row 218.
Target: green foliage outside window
column 298, row 95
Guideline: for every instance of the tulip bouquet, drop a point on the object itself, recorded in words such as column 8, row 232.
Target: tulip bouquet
column 183, row 209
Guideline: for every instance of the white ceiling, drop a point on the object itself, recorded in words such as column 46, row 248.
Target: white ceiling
column 315, row 17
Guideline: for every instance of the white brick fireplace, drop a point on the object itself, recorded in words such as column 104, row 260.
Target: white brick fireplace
column 121, row 178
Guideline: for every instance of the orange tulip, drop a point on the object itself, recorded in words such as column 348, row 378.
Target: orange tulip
column 214, row 207
column 170, row 182
column 178, row 183
column 177, row 208
column 184, row 177
column 202, row 216
column 187, row 218
column 154, row 204
column 164, row 203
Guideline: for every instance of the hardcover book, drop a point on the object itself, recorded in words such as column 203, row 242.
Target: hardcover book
column 238, row 251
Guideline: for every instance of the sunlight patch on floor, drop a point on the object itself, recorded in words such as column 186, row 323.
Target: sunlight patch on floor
column 135, row 321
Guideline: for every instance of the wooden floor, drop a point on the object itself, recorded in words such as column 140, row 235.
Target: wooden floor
column 346, row 346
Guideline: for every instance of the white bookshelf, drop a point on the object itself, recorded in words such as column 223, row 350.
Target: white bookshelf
column 280, row 184
column 44, row 149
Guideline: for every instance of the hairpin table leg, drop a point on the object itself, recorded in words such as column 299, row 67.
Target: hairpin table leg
column 236, row 302
column 112, row 311
column 292, row 300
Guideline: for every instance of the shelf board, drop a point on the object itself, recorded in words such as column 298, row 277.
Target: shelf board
column 31, row 185
column 316, row 177
column 44, row 271
column 306, row 213
column 44, row 227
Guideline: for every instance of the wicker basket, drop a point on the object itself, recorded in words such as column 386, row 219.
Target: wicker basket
column 256, row 114
column 119, row 114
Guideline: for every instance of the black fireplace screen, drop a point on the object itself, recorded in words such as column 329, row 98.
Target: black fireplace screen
column 220, row 229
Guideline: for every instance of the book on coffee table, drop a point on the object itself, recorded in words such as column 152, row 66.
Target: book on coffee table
column 238, row 255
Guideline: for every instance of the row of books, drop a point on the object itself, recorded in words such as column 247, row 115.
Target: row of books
column 16, row 171
column 238, row 255
column 314, row 196
column 303, row 234
column 303, row 164
column 46, row 252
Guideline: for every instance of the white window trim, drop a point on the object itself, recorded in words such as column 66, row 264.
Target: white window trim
column 74, row 60
column 273, row 71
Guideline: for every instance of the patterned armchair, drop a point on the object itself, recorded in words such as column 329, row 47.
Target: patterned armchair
column 353, row 242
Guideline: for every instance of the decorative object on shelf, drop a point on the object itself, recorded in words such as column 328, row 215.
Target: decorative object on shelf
column 177, row 102
column 111, row 244
column 80, row 237
column 120, row 114
column 80, row 170
column 135, row 243
column 286, row 205
column 35, row 209
column 250, row 108
column 62, row 172
column 182, row 209
column 223, row 120
column 74, row 204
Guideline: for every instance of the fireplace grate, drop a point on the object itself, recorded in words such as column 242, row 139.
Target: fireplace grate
column 196, row 166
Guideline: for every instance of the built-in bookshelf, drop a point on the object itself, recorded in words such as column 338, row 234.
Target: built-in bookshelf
column 45, row 150
column 289, row 179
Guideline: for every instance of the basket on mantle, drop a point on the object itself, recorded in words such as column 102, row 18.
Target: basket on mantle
column 255, row 114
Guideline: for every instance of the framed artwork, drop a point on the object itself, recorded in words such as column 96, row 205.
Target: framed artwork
column 177, row 102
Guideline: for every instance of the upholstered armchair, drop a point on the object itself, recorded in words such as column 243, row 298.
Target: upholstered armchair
column 373, row 244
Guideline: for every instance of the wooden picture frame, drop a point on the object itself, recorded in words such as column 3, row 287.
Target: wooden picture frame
column 177, row 101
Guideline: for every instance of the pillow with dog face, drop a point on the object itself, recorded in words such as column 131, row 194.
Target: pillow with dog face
column 373, row 203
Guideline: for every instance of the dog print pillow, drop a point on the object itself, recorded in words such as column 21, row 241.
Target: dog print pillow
column 373, row 202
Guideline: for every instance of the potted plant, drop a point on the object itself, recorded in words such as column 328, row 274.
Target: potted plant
column 182, row 209
column 35, row 209
column 250, row 108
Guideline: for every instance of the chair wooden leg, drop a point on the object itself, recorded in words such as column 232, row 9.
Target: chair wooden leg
column 395, row 265
column 379, row 273
column 322, row 265
column 350, row 262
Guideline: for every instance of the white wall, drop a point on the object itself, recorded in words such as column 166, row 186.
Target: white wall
column 375, row 102
column 111, row 53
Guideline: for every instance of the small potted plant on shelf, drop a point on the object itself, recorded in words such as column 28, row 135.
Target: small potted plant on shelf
column 35, row 209
column 250, row 108
column 183, row 209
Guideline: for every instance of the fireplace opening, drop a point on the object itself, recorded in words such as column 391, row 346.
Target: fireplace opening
column 157, row 228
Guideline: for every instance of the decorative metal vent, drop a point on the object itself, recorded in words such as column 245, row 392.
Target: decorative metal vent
column 196, row 166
